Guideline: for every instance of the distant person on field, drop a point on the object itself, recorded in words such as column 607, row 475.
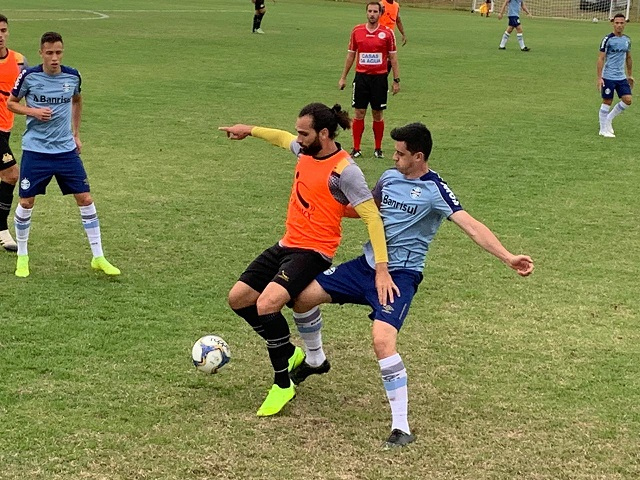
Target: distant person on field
column 413, row 201
column 51, row 146
column 486, row 8
column 614, row 58
column 514, row 22
column 391, row 17
column 370, row 45
column 260, row 10
column 11, row 64
column 326, row 181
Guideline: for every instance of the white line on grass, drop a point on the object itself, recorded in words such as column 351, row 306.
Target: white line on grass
column 96, row 15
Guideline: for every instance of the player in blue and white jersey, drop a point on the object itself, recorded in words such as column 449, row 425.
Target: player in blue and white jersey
column 614, row 58
column 514, row 22
column 413, row 201
column 51, row 146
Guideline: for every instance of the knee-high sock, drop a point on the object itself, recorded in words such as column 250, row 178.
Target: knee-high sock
column 602, row 115
column 257, row 21
column 520, row 37
column 357, row 129
column 378, row 133
column 22, row 223
column 309, row 326
column 6, row 199
column 617, row 110
column 394, row 378
column 250, row 314
column 91, row 226
column 505, row 39
column 276, row 332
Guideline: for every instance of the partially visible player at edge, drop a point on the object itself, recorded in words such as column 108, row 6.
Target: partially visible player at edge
column 260, row 8
column 391, row 17
column 51, row 146
column 413, row 200
column 326, row 181
column 614, row 57
column 514, row 22
column 370, row 45
column 11, row 64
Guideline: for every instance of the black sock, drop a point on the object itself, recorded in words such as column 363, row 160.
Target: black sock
column 6, row 199
column 250, row 314
column 276, row 331
column 257, row 21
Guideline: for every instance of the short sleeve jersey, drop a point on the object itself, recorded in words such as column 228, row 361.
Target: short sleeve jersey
column 10, row 67
column 41, row 90
column 412, row 211
column 390, row 15
column 615, row 49
column 514, row 8
column 372, row 48
column 322, row 188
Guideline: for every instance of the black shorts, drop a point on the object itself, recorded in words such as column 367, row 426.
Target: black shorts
column 292, row 268
column 6, row 155
column 370, row 89
column 260, row 4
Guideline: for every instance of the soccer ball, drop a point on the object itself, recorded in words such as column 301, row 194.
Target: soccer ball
column 210, row 353
column 595, row 20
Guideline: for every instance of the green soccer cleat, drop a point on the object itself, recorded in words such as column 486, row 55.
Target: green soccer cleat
column 101, row 263
column 276, row 399
column 22, row 266
column 296, row 359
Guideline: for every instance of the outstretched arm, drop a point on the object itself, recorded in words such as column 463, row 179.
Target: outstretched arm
column 279, row 138
column 483, row 236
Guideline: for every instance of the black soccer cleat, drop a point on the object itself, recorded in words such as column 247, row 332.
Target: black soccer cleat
column 398, row 439
column 378, row 153
column 525, row 49
column 502, row 48
column 302, row 371
column 356, row 153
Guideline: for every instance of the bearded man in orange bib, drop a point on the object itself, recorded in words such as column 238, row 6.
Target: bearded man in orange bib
column 326, row 181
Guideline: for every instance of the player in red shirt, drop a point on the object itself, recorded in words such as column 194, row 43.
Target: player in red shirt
column 370, row 46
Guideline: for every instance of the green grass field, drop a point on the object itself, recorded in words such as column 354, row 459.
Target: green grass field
column 509, row 378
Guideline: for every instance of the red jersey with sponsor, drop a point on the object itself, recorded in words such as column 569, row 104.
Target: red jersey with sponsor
column 372, row 48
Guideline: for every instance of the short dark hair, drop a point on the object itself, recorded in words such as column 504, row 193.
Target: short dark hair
column 374, row 3
column 619, row 15
column 324, row 117
column 416, row 136
column 4, row 19
column 50, row 37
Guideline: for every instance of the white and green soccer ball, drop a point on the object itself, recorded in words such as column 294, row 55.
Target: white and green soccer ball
column 210, row 353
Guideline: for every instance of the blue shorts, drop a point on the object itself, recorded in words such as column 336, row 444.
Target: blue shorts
column 621, row 87
column 514, row 21
column 354, row 282
column 37, row 169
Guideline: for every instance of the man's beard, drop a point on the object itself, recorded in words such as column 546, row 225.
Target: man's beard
column 312, row 149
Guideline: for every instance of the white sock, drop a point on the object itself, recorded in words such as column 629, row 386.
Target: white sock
column 92, row 228
column 22, row 223
column 617, row 110
column 602, row 115
column 309, row 326
column 505, row 39
column 394, row 379
column 520, row 40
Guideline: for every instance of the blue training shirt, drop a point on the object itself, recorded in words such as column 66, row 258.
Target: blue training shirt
column 514, row 8
column 411, row 210
column 615, row 49
column 41, row 90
